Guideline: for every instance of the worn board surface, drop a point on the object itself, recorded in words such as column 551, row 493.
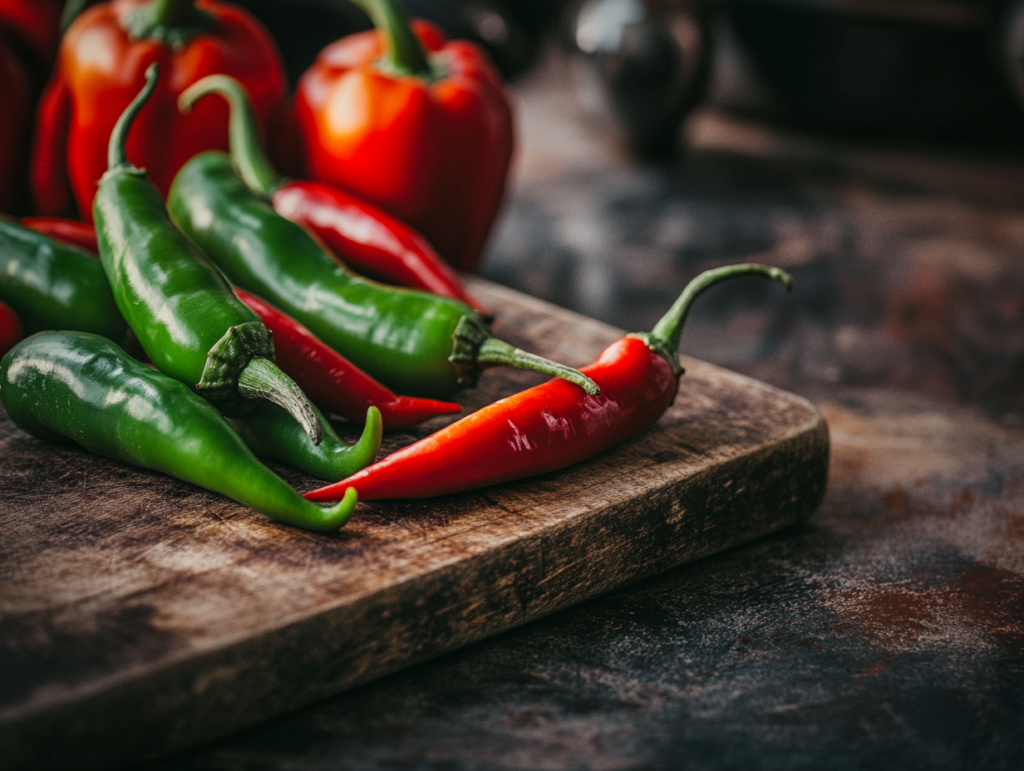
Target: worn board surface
column 139, row 615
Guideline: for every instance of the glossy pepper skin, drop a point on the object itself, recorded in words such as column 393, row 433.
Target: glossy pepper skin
column 333, row 382
column 417, row 125
column 82, row 387
column 11, row 330
column 413, row 342
column 184, row 313
column 367, row 239
column 324, row 375
column 52, row 285
column 548, row 427
column 87, row 92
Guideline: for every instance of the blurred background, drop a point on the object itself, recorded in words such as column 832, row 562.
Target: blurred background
column 871, row 147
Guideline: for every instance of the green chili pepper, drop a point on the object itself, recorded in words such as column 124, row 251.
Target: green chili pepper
column 413, row 342
column 181, row 308
column 83, row 387
column 54, row 286
column 57, row 287
column 270, row 432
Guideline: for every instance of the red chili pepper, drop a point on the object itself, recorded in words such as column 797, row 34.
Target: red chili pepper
column 101, row 67
column 364, row 237
column 417, row 125
column 68, row 231
column 11, row 330
column 550, row 426
column 331, row 381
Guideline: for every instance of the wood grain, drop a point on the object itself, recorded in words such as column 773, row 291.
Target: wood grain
column 140, row 615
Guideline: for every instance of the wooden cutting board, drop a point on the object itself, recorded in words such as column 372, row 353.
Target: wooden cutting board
column 140, row 615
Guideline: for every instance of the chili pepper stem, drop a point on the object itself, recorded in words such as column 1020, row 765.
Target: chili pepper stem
column 666, row 333
column 247, row 153
column 117, row 154
column 474, row 349
column 402, row 50
column 262, row 379
column 497, row 353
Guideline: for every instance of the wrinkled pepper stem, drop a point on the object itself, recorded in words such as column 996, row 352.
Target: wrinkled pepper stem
column 247, row 153
column 402, row 50
column 475, row 350
column 666, row 333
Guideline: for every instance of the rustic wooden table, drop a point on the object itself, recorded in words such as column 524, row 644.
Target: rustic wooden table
column 888, row 630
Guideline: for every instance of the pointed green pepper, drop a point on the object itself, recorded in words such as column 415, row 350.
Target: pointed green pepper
column 83, row 387
column 189, row 322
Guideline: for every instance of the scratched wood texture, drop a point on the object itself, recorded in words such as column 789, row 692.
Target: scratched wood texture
column 140, row 615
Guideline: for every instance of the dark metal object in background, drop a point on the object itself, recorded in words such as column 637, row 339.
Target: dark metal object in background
column 651, row 60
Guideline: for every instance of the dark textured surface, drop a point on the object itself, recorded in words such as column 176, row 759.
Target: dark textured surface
column 888, row 632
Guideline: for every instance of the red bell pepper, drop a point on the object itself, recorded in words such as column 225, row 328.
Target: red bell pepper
column 417, row 125
column 11, row 331
column 370, row 241
column 36, row 24
column 28, row 38
column 101, row 66
column 550, row 426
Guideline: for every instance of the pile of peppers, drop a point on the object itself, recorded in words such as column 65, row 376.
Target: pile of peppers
column 173, row 302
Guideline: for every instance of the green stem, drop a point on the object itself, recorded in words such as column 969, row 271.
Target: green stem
column 247, row 152
column 173, row 22
column 497, row 353
column 666, row 333
column 402, row 50
column 117, row 157
column 262, row 379
column 171, row 13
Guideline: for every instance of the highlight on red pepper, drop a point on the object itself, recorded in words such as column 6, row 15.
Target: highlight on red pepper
column 550, row 426
column 11, row 331
column 87, row 92
column 364, row 237
column 413, row 123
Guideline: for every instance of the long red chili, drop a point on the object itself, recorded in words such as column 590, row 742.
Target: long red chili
column 369, row 240
column 331, row 381
column 364, row 237
column 550, row 426
column 68, row 231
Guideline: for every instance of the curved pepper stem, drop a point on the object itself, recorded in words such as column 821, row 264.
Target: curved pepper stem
column 247, row 153
column 262, row 379
column 666, row 333
column 117, row 156
column 474, row 350
column 403, row 53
